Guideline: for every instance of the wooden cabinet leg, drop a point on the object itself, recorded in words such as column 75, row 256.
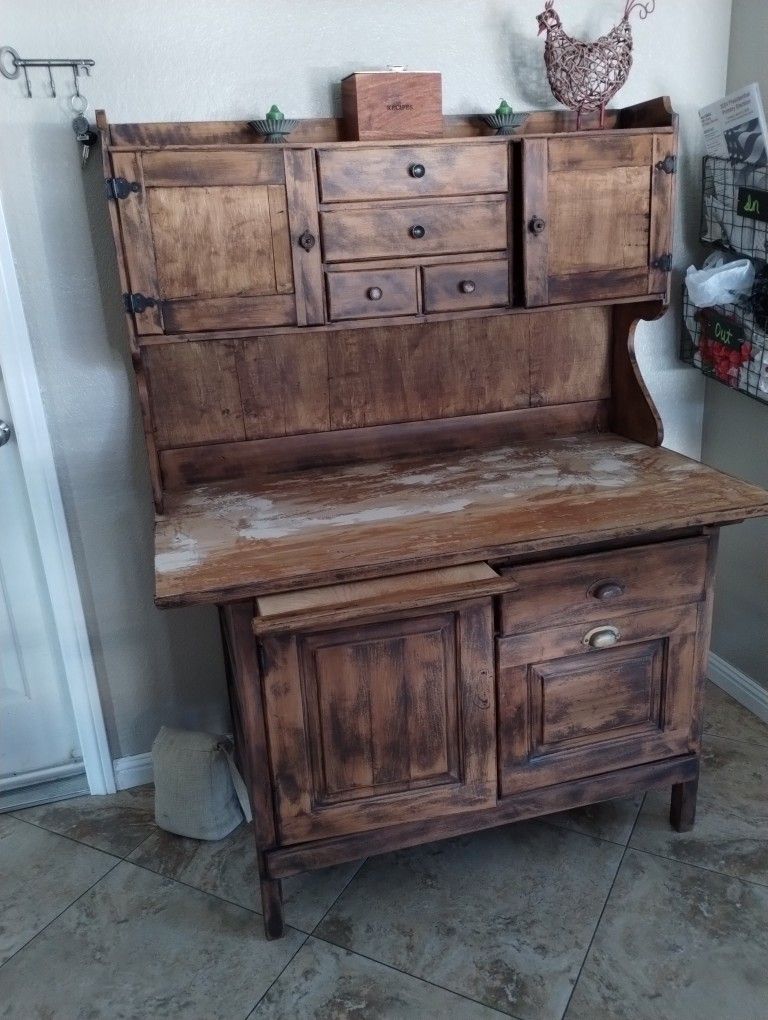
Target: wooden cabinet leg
column 272, row 907
column 682, row 812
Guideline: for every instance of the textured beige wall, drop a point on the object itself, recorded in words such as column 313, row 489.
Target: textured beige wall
column 231, row 59
column 736, row 433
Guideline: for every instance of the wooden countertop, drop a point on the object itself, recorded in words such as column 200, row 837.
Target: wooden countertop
column 234, row 540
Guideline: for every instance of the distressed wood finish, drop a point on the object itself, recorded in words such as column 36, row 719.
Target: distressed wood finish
column 280, row 379
column 568, row 710
column 449, row 226
column 195, row 393
column 324, row 525
column 466, row 285
column 386, row 172
column 460, row 581
column 293, row 860
column 428, row 372
column 396, row 722
column 230, row 461
column 558, row 592
column 604, row 210
column 653, row 114
column 372, row 293
column 301, row 189
column 207, row 237
column 340, row 603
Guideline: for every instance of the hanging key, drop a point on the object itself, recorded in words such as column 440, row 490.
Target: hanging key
column 84, row 135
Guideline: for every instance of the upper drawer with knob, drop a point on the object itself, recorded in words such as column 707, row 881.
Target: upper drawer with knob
column 412, row 229
column 412, row 171
column 599, row 586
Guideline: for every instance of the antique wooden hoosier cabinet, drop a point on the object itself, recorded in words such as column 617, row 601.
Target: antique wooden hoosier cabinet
column 398, row 435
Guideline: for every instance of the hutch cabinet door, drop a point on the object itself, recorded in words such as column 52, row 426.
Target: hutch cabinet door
column 568, row 710
column 212, row 238
column 381, row 723
column 597, row 216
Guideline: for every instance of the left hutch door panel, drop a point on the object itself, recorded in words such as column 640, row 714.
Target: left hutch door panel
column 211, row 238
column 381, row 723
column 597, row 216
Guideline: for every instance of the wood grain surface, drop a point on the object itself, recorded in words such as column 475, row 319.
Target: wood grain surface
column 226, row 541
column 351, row 175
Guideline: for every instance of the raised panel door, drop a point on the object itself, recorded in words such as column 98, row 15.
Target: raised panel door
column 211, row 239
column 568, row 710
column 597, row 216
column 381, row 723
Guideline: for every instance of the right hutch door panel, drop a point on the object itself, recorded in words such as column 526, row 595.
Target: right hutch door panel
column 213, row 238
column 568, row 709
column 381, row 723
column 597, row 216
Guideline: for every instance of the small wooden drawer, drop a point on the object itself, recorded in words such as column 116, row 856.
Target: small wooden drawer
column 412, row 171
column 372, row 294
column 587, row 587
column 413, row 229
column 461, row 285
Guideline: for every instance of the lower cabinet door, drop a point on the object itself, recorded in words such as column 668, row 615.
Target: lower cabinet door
column 381, row 723
column 578, row 701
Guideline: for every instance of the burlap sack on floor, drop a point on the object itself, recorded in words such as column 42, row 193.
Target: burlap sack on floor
column 198, row 791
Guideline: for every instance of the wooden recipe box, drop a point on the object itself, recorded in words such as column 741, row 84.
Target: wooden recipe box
column 398, row 435
column 382, row 105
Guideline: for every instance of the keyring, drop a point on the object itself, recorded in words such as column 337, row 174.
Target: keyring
column 78, row 103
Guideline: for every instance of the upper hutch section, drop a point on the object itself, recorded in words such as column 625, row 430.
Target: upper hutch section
column 221, row 234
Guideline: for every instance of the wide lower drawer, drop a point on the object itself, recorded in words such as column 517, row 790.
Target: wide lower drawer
column 372, row 293
column 413, row 229
column 461, row 285
column 587, row 587
column 412, row 171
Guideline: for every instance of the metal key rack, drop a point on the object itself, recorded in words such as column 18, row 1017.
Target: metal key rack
column 12, row 65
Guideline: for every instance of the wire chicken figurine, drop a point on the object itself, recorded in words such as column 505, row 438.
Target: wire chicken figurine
column 585, row 76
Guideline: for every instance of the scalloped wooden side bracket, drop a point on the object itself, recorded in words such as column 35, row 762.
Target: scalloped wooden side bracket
column 632, row 412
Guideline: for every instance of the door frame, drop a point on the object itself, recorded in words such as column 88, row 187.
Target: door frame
column 47, row 508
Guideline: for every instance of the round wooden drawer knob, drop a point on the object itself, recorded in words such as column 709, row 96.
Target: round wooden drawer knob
column 417, row 231
column 467, row 286
column 606, row 590
column 417, row 170
column 375, row 293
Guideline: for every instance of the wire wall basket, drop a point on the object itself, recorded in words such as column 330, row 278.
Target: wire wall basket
column 734, row 208
column 729, row 343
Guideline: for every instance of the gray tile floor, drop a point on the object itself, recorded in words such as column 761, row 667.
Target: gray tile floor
column 598, row 913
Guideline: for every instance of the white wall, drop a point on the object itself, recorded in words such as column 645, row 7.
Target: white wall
column 736, row 434
column 231, row 60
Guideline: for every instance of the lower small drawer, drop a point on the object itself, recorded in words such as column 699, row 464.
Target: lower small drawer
column 371, row 294
column 461, row 285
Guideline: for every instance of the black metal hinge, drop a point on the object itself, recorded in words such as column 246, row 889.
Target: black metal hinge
column 668, row 165
column 119, row 187
column 135, row 304
column 663, row 263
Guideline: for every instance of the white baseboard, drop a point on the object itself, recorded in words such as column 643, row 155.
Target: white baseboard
column 133, row 771
column 741, row 687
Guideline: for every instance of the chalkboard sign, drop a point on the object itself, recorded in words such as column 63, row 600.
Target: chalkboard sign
column 753, row 204
column 721, row 329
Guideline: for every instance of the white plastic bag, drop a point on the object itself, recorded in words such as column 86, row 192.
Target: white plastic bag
column 720, row 282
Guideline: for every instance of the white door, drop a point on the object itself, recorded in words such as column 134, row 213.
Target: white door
column 38, row 737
